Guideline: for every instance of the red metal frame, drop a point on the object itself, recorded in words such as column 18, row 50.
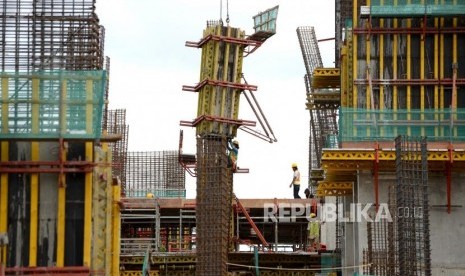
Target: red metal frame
column 250, row 44
column 251, row 222
column 190, row 168
column 376, row 176
column 445, row 81
column 420, row 30
column 67, row 270
column 218, row 119
column 219, row 83
column 240, row 41
column 60, row 166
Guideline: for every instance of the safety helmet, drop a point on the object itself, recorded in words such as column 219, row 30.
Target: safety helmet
column 312, row 215
column 235, row 142
column 150, row 195
column 294, row 165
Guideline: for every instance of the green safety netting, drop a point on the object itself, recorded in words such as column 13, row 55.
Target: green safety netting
column 359, row 124
column 52, row 104
column 412, row 8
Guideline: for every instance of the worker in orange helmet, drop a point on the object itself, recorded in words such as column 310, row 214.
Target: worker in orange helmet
column 233, row 148
column 295, row 180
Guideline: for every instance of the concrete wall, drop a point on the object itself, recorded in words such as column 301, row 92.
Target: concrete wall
column 447, row 230
column 48, row 207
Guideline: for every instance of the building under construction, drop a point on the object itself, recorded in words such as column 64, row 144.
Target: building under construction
column 386, row 140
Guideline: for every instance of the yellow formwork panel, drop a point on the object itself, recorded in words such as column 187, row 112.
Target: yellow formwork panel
column 386, row 155
column 222, row 64
column 102, row 213
column 326, row 188
column 326, row 78
column 137, row 273
column 356, row 159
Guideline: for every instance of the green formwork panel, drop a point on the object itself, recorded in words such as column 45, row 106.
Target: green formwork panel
column 359, row 124
column 52, row 104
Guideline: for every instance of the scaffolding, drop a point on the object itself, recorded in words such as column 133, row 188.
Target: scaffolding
column 50, row 35
column 322, row 98
column 116, row 124
column 53, row 88
column 156, row 172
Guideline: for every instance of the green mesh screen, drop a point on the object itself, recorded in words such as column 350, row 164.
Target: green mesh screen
column 409, row 8
column 55, row 104
column 415, row 2
column 384, row 125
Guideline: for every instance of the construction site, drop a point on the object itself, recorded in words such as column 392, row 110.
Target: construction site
column 386, row 150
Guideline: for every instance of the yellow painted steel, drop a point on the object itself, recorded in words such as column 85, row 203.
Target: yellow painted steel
column 344, row 77
column 34, row 216
column 109, row 214
column 60, row 261
column 34, row 208
column 116, row 229
column 326, row 78
column 327, row 188
column 441, row 71
column 4, row 176
column 222, row 62
column 61, row 227
column 4, row 196
column 89, row 150
column 88, row 208
column 385, row 155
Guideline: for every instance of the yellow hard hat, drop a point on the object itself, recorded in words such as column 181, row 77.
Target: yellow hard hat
column 312, row 215
column 294, row 165
column 150, row 195
column 235, row 142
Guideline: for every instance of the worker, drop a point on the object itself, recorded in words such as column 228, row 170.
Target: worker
column 313, row 201
column 307, row 193
column 295, row 180
column 313, row 233
column 233, row 148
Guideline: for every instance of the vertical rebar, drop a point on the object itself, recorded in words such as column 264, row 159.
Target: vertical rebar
column 156, row 172
column 116, row 124
column 412, row 204
column 214, row 195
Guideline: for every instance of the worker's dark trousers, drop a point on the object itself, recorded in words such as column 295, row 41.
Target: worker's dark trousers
column 296, row 191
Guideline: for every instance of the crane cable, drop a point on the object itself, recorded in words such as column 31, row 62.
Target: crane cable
column 227, row 12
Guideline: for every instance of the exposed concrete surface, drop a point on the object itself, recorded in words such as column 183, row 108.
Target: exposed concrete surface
column 446, row 230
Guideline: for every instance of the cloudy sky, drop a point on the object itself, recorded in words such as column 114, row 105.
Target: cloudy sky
column 149, row 64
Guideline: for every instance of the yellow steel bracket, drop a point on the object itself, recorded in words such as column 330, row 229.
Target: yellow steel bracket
column 334, row 188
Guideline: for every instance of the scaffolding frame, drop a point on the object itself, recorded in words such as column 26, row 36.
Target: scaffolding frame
column 156, row 172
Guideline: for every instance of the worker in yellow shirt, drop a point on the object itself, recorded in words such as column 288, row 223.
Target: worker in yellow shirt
column 295, row 180
column 314, row 233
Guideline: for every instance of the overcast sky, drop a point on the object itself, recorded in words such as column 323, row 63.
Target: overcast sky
column 149, row 64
